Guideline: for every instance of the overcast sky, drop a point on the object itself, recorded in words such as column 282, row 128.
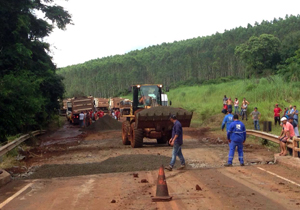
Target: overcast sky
column 103, row 28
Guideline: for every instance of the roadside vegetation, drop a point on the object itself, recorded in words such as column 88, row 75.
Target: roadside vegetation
column 206, row 100
column 30, row 87
column 259, row 50
column 10, row 159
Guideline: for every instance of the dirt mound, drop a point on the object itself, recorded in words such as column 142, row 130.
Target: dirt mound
column 164, row 110
column 105, row 123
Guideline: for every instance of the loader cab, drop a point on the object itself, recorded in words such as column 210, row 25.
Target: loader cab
column 146, row 96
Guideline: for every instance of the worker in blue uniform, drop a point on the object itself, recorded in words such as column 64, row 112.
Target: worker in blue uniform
column 236, row 136
column 227, row 120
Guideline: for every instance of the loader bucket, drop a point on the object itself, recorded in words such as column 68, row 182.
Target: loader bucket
column 159, row 118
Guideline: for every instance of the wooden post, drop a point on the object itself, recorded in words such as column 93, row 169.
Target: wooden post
column 294, row 146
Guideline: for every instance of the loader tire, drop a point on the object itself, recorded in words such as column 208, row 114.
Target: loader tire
column 137, row 136
column 125, row 131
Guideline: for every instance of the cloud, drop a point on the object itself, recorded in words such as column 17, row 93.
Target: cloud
column 104, row 28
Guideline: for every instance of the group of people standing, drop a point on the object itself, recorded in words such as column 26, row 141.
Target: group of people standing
column 288, row 112
column 86, row 117
column 289, row 123
column 255, row 114
column 289, row 131
column 236, row 131
column 116, row 114
column 227, row 106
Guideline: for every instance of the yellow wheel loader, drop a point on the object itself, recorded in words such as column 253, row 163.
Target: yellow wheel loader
column 148, row 118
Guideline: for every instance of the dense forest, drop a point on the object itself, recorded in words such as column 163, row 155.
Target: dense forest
column 264, row 49
column 29, row 85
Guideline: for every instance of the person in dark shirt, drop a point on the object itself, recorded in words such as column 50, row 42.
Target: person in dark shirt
column 176, row 141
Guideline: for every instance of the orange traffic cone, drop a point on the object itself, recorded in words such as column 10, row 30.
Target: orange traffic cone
column 162, row 193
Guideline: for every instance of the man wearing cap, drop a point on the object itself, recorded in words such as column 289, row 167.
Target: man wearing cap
column 286, row 134
column 255, row 116
column 277, row 112
column 176, row 141
column 236, row 136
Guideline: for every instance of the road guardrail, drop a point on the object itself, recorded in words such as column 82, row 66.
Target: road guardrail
column 11, row 145
column 291, row 143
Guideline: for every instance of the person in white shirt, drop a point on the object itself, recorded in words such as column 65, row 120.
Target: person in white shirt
column 81, row 118
column 236, row 106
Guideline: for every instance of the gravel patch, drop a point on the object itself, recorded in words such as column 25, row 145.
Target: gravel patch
column 122, row 163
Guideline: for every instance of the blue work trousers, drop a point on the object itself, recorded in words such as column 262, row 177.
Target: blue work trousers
column 232, row 146
column 256, row 125
column 177, row 152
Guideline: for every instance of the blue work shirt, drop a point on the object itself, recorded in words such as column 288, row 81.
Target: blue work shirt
column 236, row 131
column 177, row 130
column 226, row 121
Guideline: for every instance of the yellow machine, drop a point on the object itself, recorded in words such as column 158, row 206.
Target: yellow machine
column 148, row 118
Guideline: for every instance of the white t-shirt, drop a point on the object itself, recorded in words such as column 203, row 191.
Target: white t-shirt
column 81, row 116
column 236, row 103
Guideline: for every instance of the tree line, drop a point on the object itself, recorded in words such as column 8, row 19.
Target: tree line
column 260, row 50
column 29, row 85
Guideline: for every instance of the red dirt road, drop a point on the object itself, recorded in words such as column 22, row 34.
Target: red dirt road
column 223, row 188
column 95, row 169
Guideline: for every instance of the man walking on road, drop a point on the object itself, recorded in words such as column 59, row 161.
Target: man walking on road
column 176, row 141
column 227, row 120
column 236, row 136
